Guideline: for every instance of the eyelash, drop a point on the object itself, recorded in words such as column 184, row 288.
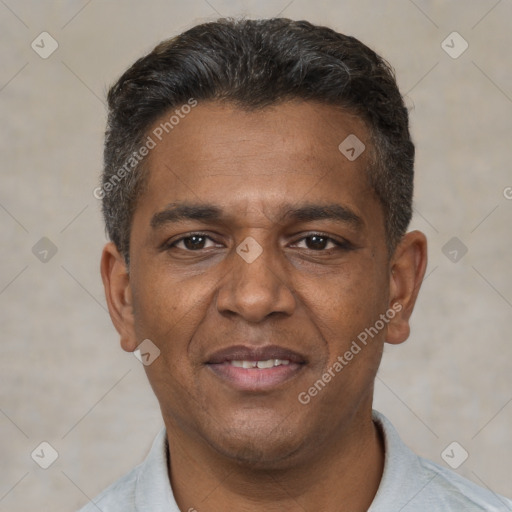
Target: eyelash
column 345, row 245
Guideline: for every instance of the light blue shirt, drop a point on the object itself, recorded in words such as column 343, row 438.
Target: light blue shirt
column 409, row 484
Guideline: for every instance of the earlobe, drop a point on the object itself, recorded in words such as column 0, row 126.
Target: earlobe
column 406, row 275
column 116, row 281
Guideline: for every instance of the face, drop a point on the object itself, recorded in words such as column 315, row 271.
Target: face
column 257, row 258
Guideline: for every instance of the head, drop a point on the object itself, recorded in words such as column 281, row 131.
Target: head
column 257, row 191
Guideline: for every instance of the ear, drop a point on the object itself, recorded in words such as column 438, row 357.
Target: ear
column 407, row 270
column 116, row 281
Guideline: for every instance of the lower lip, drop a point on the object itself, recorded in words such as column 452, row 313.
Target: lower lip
column 255, row 379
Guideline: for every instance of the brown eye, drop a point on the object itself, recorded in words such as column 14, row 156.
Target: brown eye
column 193, row 242
column 319, row 242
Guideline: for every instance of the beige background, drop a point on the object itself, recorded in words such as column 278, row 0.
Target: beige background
column 64, row 378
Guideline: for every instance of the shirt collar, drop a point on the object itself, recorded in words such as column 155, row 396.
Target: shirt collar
column 153, row 489
column 400, row 463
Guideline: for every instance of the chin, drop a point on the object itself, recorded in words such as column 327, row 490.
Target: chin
column 259, row 445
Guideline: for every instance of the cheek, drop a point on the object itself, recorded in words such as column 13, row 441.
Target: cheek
column 169, row 311
column 351, row 298
column 346, row 311
column 155, row 310
column 352, row 355
column 167, row 303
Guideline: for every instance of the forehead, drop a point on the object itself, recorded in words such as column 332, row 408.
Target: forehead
column 300, row 129
column 258, row 160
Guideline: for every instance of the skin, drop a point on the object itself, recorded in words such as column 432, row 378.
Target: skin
column 234, row 449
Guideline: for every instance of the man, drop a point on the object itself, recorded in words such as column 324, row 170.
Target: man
column 257, row 191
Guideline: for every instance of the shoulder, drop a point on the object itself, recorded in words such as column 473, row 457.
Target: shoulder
column 411, row 483
column 118, row 497
column 453, row 492
column 146, row 487
column 458, row 493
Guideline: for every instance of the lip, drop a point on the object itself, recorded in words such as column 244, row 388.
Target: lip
column 254, row 379
column 247, row 353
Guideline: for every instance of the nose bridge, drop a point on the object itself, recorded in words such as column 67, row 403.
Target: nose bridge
column 256, row 284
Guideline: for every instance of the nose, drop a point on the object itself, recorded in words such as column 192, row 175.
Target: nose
column 255, row 288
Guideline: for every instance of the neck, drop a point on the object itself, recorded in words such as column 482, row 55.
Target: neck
column 340, row 475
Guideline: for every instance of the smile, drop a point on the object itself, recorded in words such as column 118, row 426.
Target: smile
column 269, row 363
column 255, row 376
column 255, row 368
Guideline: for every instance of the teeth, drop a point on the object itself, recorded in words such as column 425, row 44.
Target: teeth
column 266, row 364
column 269, row 363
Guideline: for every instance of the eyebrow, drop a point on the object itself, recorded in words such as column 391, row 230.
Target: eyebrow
column 176, row 212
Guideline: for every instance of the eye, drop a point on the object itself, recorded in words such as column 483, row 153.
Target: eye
column 192, row 242
column 319, row 242
column 315, row 242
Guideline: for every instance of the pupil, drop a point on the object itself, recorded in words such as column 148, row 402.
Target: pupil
column 194, row 245
column 316, row 244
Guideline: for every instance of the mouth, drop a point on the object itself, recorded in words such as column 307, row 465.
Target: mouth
column 256, row 369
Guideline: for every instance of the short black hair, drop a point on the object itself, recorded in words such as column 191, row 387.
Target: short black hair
column 254, row 64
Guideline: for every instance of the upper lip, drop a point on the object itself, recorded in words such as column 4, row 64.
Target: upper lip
column 246, row 353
